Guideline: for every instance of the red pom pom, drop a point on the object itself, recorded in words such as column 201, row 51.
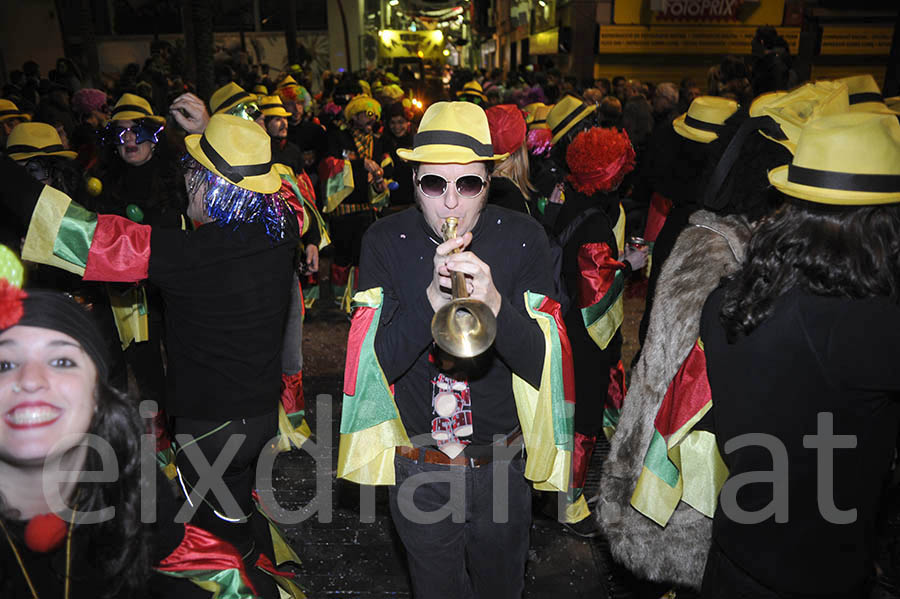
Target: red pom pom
column 45, row 532
column 599, row 159
column 11, row 308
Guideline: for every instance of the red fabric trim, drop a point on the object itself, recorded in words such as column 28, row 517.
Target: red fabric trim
column 307, row 189
column 597, row 271
column 330, row 167
column 340, row 274
column 202, row 550
column 687, row 393
column 292, row 392
column 120, row 250
column 552, row 307
column 581, row 458
column 266, row 564
column 287, row 192
column 660, row 206
column 362, row 319
column 616, row 392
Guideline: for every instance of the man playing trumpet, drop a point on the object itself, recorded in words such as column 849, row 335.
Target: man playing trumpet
column 457, row 437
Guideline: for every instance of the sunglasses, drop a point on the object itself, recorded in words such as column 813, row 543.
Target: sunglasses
column 246, row 110
column 143, row 131
column 435, row 186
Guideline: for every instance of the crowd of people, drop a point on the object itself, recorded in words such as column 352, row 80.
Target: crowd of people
column 171, row 248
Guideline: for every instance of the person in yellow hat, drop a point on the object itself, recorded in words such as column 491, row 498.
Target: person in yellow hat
column 472, row 92
column 357, row 171
column 226, row 287
column 418, row 419
column 10, row 116
column 233, row 99
column 815, row 308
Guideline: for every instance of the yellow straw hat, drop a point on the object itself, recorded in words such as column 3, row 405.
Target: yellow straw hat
column 132, row 107
column 850, row 159
column 260, row 90
column 893, row 103
column 452, row 132
column 362, row 104
column 537, row 115
column 272, row 106
column 228, row 96
column 704, row 119
column 865, row 95
column 237, row 150
column 287, row 82
column 567, row 113
column 9, row 110
column 472, row 88
column 794, row 110
column 35, row 139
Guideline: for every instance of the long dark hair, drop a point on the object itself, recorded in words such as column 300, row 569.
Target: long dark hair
column 117, row 549
column 823, row 250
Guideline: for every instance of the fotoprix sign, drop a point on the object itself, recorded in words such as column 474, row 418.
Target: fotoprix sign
column 699, row 10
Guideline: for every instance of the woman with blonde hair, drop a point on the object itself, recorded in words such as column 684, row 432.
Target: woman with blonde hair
column 510, row 184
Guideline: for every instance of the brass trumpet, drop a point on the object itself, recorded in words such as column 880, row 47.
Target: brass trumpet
column 465, row 327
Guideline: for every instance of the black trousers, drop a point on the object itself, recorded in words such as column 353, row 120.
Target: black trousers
column 480, row 545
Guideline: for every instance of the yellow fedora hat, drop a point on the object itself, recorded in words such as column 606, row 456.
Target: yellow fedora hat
column 237, row 150
column 260, row 90
column 35, row 139
column 893, row 103
column 286, row 82
column 537, row 115
column 452, row 132
column 132, row 107
column 228, row 96
column 472, row 88
column 865, row 95
column 795, row 109
column 850, row 159
column 704, row 118
column 565, row 114
column 272, row 106
column 9, row 110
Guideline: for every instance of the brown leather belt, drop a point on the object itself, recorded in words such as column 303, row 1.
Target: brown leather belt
column 430, row 455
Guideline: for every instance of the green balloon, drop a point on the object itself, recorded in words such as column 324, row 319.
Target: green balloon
column 133, row 212
column 10, row 267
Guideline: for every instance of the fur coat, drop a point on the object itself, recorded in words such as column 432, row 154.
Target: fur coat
column 710, row 248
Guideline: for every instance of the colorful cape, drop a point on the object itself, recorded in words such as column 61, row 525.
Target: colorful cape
column 682, row 464
column 371, row 428
column 338, row 177
column 210, row 563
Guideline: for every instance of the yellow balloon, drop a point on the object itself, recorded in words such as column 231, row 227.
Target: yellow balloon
column 94, row 186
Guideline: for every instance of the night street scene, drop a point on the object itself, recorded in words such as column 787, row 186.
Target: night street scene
column 472, row 299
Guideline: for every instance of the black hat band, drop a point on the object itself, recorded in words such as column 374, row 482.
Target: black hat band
column 843, row 181
column 23, row 149
column 235, row 174
column 569, row 118
column 452, row 138
column 9, row 112
column 865, row 97
column 129, row 107
column 268, row 106
column 235, row 98
column 702, row 125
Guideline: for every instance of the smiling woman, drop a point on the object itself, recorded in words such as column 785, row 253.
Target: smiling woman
column 65, row 536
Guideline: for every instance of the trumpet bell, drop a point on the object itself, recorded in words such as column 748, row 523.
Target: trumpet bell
column 464, row 328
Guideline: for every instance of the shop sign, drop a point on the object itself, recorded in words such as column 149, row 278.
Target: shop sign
column 872, row 40
column 676, row 39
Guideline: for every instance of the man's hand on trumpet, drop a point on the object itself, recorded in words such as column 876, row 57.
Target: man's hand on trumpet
column 479, row 283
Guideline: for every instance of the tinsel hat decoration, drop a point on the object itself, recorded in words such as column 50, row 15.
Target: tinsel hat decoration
column 598, row 160
column 237, row 150
column 132, row 107
column 36, row 139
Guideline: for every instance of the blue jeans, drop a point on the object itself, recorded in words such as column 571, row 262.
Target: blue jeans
column 463, row 539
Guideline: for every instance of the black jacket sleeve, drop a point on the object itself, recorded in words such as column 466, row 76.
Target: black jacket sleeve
column 20, row 191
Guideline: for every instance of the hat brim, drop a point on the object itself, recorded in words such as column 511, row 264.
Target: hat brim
column 689, row 132
column 557, row 136
column 68, row 154
column 276, row 112
column 464, row 93
column 788, row 144
column 129, row 115
column 822, row 195
column 22, row 115
column 267, row 183
column 444, row 154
